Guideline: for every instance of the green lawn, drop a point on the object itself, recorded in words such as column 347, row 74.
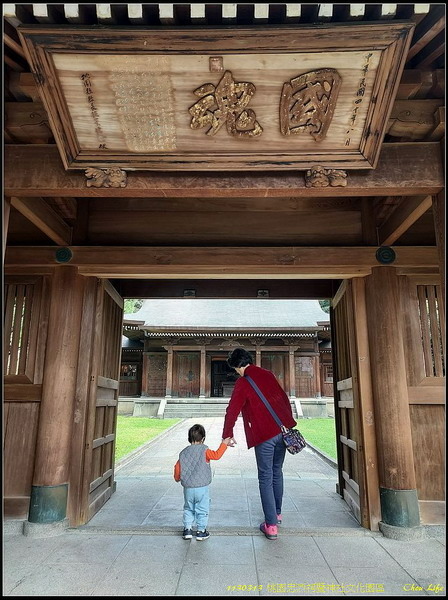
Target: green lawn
column 320, row 433
column 133, row 432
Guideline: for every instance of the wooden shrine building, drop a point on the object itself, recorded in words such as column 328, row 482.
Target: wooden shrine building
column 293, row 149
column 289, row 337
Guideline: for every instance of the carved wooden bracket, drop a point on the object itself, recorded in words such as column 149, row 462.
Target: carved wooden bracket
column 319, row 176
column 111, row 177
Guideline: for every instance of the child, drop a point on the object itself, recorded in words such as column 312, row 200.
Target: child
column 194, row 472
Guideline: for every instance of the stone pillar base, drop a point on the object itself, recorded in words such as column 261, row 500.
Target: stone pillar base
column 402, row 533
column 45, row 530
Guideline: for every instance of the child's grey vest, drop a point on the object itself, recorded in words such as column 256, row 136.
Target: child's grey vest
column 195, row 471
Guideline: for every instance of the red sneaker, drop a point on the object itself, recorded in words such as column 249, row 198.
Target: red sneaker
column 270, row 531
column 279, row 519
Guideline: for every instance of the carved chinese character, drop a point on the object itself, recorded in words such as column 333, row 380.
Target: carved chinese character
column 225, row 104
column 308, row 101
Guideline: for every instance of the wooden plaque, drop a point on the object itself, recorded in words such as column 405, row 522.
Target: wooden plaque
column 222, row 99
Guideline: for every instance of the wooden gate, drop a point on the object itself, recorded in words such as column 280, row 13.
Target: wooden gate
column 424, row 344
column 354, row 417
column 25, row 330
column 92, row 481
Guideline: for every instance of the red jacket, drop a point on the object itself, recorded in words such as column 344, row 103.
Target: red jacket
column 259, row 424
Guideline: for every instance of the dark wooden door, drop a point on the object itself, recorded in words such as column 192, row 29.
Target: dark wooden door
column 276, row 362
column 188, row 364
column 305, row 385
column 156, row 374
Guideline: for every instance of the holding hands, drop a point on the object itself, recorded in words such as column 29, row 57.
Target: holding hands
column 230, row 441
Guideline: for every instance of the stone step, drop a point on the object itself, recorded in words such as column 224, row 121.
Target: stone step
column 184, row 410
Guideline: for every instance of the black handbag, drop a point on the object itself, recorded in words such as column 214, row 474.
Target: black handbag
column 293, row 439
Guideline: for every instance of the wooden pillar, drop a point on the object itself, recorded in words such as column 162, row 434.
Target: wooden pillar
column 145, row 371
column 318, row 389
column 202, row 373
column 169, row 373
column 49, row 491
column 292, row 374
column 438, row 209
column 398, row 494
column 258, row 356
column 6, row 211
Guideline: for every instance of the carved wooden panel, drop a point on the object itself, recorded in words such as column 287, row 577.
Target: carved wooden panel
column 256, row 99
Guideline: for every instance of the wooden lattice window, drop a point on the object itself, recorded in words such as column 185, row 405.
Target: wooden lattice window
column 21, row 329
column 328, row 373
column 432, row 324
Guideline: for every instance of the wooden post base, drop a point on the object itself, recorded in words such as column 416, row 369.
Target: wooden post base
column 48, row 503
column 399, row 507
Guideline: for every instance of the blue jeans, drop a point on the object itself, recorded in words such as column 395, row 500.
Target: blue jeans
column 270, row 456
column 196, row 507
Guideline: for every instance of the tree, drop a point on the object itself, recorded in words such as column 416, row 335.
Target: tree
column 132, row 305
column 325, row 305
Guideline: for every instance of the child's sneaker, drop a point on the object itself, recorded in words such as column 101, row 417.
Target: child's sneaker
column 187, row 534
column 202, row 535
column 279, row 519
column 270, row 531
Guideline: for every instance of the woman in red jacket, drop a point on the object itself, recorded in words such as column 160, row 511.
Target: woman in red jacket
column 261, row 431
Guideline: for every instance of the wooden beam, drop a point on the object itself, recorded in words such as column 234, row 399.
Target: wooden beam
column 431, row 52
column 219, row 288
column 72, row 13
column 28, row 122
column 104, row 14
column 23, row 86
column 229, row 262
column 410, row 83
column 15, row 46
column 197, row 13
column 368, row 223
column 44, row 218
column 135, row 14
column 166, row 14
column 15, row 66
column 403, row 169
column 427, row 30
column 413, row 119
column 405, row 215
column 438, row 133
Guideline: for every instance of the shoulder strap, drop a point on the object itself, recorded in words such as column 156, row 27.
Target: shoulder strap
column 265, row 401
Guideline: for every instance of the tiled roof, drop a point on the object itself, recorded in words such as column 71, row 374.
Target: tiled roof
column 131, row 344
column 201, row 313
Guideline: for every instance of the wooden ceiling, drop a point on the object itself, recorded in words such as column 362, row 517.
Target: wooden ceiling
column 343, row 219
